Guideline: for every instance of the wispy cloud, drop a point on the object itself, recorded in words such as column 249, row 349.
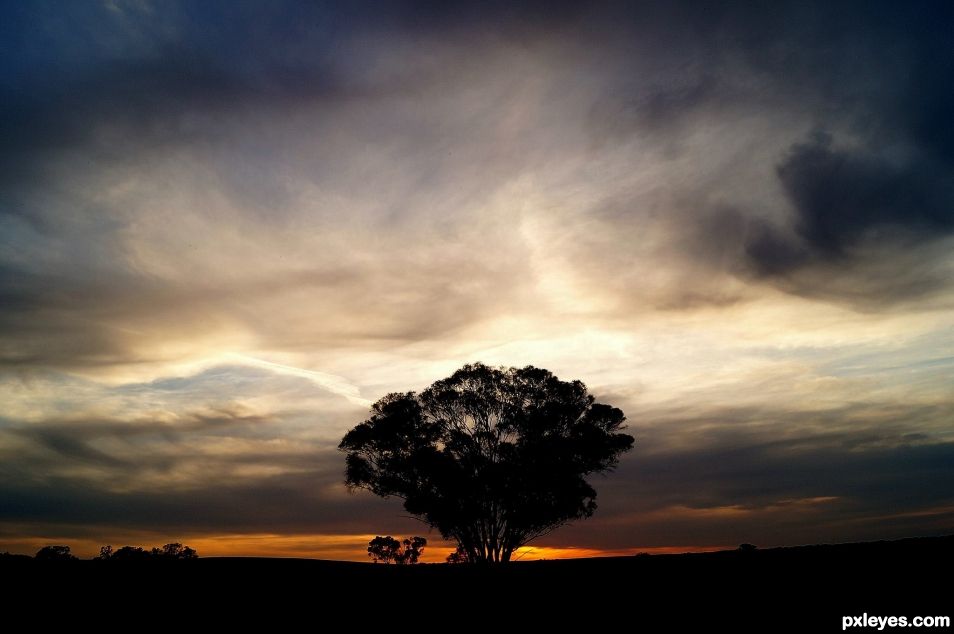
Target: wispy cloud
column 333, row 383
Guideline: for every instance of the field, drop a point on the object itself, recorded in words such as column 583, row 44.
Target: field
column 805, row 589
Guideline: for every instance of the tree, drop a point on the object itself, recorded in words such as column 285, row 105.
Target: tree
column 412, row 551
column 176, row 551
column 135, row 553
column 130, row 553
column 492, row 458
column 386, row 549
column 54, row 553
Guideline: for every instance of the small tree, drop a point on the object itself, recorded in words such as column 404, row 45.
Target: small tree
column 105, row 553
column 176, row 551
column 130, row 553
column 386, row 549
column 413, row 549
column 54, row 553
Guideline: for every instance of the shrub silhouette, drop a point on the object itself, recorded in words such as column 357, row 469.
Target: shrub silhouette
column 54, row 553
column 174, row 551
column 388, row 549
column 130, row 553
column 492, row 458
column 412, row 551
column 383, row 549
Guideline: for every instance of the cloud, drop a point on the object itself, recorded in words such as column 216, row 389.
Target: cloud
column 776, row 477
column 232, row 446
column 869, row 188
column 709, row 476
column 853, row 210
column 333, row 383
column 841, row 197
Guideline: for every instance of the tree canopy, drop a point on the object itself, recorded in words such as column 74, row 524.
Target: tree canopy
column 491, row 457
column 388, row 549
column 55, row 553
column 173, row 551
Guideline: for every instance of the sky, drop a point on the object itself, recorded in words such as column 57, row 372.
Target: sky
column 226, row 228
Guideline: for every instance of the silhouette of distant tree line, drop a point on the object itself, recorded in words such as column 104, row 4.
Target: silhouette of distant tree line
column 55, row 553
column 170, row 552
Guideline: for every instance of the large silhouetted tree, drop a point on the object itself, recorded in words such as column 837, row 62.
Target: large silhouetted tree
column 492, row 458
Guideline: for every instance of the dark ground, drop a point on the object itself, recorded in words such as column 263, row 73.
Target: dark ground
column 803, row 589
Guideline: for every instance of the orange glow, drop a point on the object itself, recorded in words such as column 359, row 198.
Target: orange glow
column 317, row 546
column 353, row 548
column 340, row 547
column 531, row 553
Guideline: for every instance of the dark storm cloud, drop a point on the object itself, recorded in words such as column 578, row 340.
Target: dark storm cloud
column 884, row 186
column 109, row 115
column 842, row 196
column 136, row 80
column 852, row 209
column 90, row 88
column 846, row 199
column 867, row 187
